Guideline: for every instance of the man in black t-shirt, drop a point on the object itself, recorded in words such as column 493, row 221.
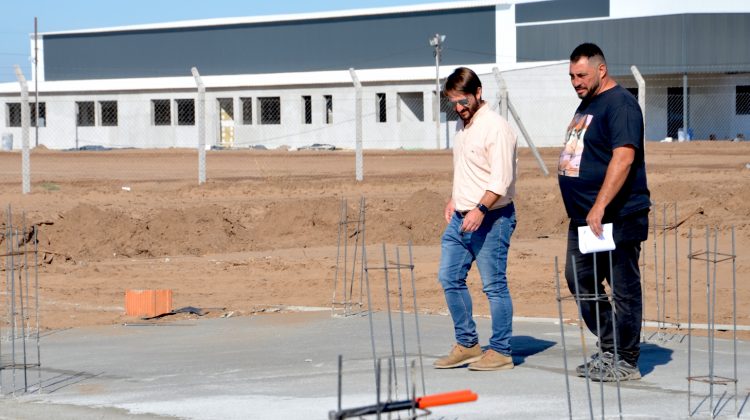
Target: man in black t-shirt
column 602, row 178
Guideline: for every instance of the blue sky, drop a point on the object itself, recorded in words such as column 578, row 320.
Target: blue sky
column 17, row 20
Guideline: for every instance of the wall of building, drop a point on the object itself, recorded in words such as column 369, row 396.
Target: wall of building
column 335, row 43
column 542, row 97
column 656, row 44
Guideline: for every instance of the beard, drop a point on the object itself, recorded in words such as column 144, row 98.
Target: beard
column 468, row 112
column 590, row 92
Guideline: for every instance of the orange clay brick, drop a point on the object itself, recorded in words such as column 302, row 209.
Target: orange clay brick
column 148, row 302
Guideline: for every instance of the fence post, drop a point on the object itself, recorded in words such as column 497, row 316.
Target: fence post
column 641, row 93
column 357, row 124
column 502, row 93
column 201, row 111
column 25, row 121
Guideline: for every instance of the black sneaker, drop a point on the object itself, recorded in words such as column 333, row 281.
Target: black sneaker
column 595, row 363
column 609, row 372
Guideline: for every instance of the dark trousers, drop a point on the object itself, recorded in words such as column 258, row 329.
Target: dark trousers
column 625, row 283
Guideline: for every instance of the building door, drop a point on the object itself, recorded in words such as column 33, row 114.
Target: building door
column 674, row 111
column 226, row 122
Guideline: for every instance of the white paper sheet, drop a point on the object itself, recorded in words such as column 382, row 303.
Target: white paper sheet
column 588, row 242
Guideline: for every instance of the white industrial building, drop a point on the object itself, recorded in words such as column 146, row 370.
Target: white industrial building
column 275, row 81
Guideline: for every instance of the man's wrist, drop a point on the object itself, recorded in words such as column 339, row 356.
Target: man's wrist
column 482, row 208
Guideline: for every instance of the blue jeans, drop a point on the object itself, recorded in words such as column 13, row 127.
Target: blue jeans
column 488, row 246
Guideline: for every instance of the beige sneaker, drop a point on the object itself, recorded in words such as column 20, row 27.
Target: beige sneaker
column 459, row 356
column 492, row 360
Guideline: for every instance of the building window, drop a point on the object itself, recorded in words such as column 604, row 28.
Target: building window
column 380, row 108
column 14, row 114
column 410, row 107
column 161, row 113
column 329, row 108
column 42, row 114
column 108, row 110
column 86, row 114
column 742, row 98
column 307, row 107
column 270, row 110
column 247, row 110
column 185, row 112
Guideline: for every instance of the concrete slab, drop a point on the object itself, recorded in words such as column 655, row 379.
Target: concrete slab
column 284, row 366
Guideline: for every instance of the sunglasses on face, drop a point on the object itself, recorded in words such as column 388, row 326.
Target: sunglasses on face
column 463, row 102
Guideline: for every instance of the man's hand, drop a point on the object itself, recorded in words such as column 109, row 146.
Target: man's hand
column 472, row 221
column 594, row 220
column 450, row 208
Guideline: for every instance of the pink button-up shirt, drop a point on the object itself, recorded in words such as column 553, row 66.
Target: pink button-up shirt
column 484, row 159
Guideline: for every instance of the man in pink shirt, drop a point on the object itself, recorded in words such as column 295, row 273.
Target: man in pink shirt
column 481, row 219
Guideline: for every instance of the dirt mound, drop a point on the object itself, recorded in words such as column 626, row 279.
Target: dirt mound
column 93, row 233
column 298, row 223
column 89, row 232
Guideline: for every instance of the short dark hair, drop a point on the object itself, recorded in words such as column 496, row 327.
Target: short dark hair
column 464, row 80
column 587, row 50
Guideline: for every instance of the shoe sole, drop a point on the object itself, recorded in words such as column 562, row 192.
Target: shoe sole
column 507, row 366
column 462, row 363
column 632, row 377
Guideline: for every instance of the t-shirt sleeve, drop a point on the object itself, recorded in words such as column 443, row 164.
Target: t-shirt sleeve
column 626, row 123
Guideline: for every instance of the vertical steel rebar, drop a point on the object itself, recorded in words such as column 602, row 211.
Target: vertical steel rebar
column 338, row 259
column 734, row 319
column 36, row 308
column 712, row 350
column 656, row 277
column 614, row 331
column 413, row 396
column 362, row 263
column 416, row 317
column 708, row 315
column 597, row 300
column 562, row 339
column 676, row 267
column 369, row 307
column 390, row 318
column 390, row 380
column 340, row 380
column 403, row 322
column 21, row 275
column 2, row 314
column 378, row 365
column 690, row 317
column 354, row 260
column 12, row 303
column 583, row 339
column 664, row 268
column 7, row 294
column 346, row 250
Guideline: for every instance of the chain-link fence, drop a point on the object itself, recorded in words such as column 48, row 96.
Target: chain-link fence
column 538, row 102
column 698, row 107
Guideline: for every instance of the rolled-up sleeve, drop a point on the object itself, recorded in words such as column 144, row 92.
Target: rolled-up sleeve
column 501, row 149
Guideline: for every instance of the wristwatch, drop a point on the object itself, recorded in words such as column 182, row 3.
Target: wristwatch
column 482, row 208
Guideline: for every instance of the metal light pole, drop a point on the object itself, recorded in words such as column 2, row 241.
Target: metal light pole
column 36, row 85
column 437, row 42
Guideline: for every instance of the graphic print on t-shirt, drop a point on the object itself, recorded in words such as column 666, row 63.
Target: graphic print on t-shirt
column 570, row 158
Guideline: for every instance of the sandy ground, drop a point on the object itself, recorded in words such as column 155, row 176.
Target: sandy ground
column 262, row 234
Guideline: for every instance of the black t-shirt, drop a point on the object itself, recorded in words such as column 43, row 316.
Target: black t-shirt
column 609, row 120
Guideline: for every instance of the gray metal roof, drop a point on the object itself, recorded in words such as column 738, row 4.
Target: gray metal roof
column 657, row 45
